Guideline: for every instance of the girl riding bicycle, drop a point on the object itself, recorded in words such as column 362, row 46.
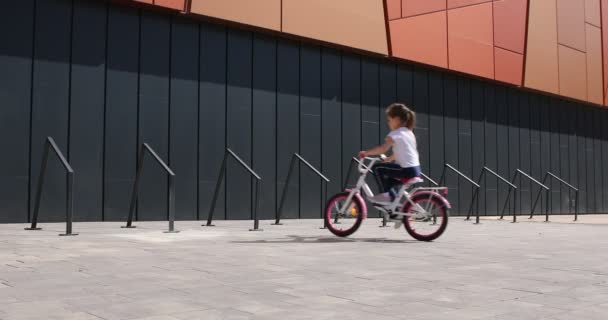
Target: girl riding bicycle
column 401, row 139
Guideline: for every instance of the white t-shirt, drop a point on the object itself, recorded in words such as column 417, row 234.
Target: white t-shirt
column 404, row 147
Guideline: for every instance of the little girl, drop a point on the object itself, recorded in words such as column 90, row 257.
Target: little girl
column 406, row 164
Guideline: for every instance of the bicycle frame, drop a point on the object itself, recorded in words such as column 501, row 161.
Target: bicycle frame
column 398, row 202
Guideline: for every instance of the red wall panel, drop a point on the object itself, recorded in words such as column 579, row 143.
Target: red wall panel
column 595, row 86
column 394, row 9
column 470, row 40
column 417, row 7
column 508, row 66
column 572, row 73
column 261, row 13
column 421, row 38
column 541, row 54
column 571, row 23
column 358, row 24
column 463, row 3
column 593, row 12
column 510, row 24
column 173, row 4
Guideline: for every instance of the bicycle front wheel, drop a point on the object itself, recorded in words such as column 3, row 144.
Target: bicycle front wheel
column 429, row 224
column 346, row 223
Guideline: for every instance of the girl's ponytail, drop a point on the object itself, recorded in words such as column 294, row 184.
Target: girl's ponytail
column 410, row 123
column 407, row 116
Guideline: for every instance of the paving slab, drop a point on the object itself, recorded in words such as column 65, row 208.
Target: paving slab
column 494, row 270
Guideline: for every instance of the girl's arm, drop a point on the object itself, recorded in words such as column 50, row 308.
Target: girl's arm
column 383, row 148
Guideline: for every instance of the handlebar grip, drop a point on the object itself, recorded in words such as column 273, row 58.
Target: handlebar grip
column 361, row 155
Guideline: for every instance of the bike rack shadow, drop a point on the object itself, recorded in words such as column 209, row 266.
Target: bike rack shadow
column 469, row 180
column 553, row 176
column 301, row 160
column 520, row 173
column 50, row 144
column 476, row 194
column 220, row 178
column 171, row 188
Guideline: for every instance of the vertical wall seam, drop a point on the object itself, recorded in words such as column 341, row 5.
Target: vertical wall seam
column 251, row 131
column 105, row 116
column 342, row 118
column 198, row 123
column 69, row 116
column 226, row 38
column 169, row 96
column 31, row 120
column 276, row 124
column 299, row 127
column 137, row 138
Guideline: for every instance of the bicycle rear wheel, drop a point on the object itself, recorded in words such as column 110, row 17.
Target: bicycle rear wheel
column 433, row 224
column 346, row 223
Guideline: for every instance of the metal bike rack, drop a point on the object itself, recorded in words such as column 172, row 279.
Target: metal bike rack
column 553, row 176
column 50, row 144
column 170, row 195
column 473, row 183
column 227, row 153
column 520, row 173
column 476, row 195
column 284, row 194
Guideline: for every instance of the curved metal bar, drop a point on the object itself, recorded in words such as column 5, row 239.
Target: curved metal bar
column 284, row 193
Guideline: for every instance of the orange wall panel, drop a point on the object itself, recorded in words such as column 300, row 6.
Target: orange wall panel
column 417, row 7
column 173, row 4
column 259, row 13
column 508, row 66
column 421, row 38
column 594, row 65
column 354, row 23
column 541, row 54
column 463, row 3
column 470, row 40
column 593, row 12
column 572, row 73
column 394, row 9
column 510, row 24
column 571, row 23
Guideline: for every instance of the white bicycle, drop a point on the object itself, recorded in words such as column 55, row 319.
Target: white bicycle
column 423, row 211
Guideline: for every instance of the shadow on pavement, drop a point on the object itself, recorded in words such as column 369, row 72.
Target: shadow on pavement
column 316, row 239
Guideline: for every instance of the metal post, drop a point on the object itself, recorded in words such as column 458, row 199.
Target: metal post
column 256, row 221
column 576, row 205
column 216, row 192
column 323, row 204
column 514, row 207
column 45, row 158
column 171, row 201
column 140, row 163
column 547, row 205
column 284, row 194
column 69, row 207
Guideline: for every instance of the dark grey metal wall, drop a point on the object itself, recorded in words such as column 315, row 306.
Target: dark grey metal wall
column 101, row 79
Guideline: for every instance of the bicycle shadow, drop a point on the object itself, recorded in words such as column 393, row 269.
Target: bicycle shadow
column 320, row 240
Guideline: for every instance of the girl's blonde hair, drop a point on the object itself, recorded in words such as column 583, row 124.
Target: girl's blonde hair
column 407, row 116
